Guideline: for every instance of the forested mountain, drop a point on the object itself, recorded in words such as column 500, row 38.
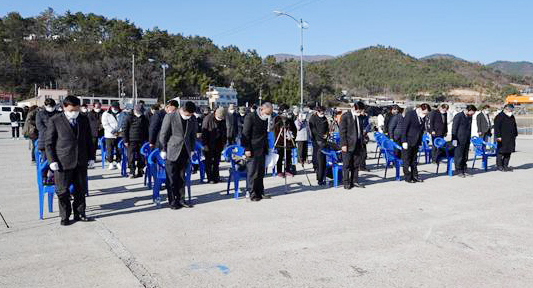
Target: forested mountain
column 88, row 53
column 522, row 68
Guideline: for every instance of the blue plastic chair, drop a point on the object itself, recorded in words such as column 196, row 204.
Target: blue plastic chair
column 378, row 137
column 234, row 173
column 425, row 148
column 199, row 160
column 389, row 147
column 336, row 137
column 159, row 174
column 42, row 164
column 484, row 150
column 441, row 144
column 124, row 160
column 333, row 161
column 101, row 145
column 271, row 144
column 145, row 151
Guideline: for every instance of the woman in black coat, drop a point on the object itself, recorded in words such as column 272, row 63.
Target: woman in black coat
column 505, row 133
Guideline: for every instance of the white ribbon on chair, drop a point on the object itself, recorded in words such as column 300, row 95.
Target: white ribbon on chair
column 271, row 159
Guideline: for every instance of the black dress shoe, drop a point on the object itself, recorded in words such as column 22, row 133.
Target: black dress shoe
column 461, row 175
column 212, row 182
column 410, row 181
column 82, row 218
column 255, row 199
column 508, row 169
column 501, row 169
column 175, row 207
column 468, row 174
column 358, row 185
column 65, row 222
column 418, row 180
column 347, row 187
column 265, row 196
column 185, row 204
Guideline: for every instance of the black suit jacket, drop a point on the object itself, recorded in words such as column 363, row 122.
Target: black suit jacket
column 66, row 147
column 351, row 135
column 155, row 126
column 412, row 129
column 462, row 128
column 255, row 135
column 437, row 124
column 483, row 126
column 174, row 137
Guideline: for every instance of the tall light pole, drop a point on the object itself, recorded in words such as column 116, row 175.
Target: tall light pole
column 303, row 25
column 164, row 66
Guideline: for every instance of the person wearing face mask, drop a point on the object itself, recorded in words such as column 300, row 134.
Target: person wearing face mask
column 213, row 139
column 484, row 125
column 351, row 141
column 438, row 127
column 240, row 123
column 413, row 127
column 69, row 151
column 302, row 135
column 135, row 134
column 320, row 132
column 42, row 119
column 255, row 142
column 111, row 133
column 157, row 120
column 231, row 124
column 505, row 133
column 178, row 139
column 95, row 120
column 365, row 119
column 284, row 131
column 461, row 131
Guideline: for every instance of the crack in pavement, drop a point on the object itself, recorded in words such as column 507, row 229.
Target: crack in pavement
column 136, row 268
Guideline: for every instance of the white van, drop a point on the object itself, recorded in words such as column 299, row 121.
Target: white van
column 5, row 110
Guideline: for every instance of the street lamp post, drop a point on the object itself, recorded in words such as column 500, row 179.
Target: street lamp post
column 164, row 66
column 303, row 25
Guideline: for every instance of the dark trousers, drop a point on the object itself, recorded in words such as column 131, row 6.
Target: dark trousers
column 321, row 165
column 15, row 131
column 135, row 159
column 434, row 150
column 502, row 160
column 362, row 162
column 32, row 152
column 410, row 169
column 302, row 151
column 351, row 162
column 111, row 144
column 255, row 172
column 314, row 158
column 212, row 164
column 288, row 162
column 95, row 147
column 63, row 179
column 176, row 178
column 460, row 156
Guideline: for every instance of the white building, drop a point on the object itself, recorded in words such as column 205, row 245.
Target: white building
column 57, row 94
column 197, row 100
column 221, row 96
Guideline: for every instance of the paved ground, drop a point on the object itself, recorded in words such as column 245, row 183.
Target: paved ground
column 445, row 232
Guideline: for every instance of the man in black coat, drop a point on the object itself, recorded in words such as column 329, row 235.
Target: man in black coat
column 394, row 110
column 232, row 124
column 14, row 118
column 213, row 138
column 95, row 120
column 284, row 128
column 178, row 138
column 484, row 125
column 69, row 151
column 461, row 132
column 135, row 134
column 351, row 134
column 41, row 120
column 438, row 127
column 157, row 120
column 320, row 132
column 413, row 127
column 255, row 142
column 505, row 133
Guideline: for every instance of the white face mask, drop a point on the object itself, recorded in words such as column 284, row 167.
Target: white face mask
column 231, row 111
column 264, row 117
column 197, row 115
column 485, row 111
column 72, row 114
column 114, row 110
column 83, row 110
column 97, row 110
column 320, row 115
column 242, row 114
column 137, row 114
column 218, row 119
column 49, row 108
column 508, row 113
column 184, row 117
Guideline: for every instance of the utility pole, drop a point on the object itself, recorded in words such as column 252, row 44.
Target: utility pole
column 133, row 94
column 260, row 95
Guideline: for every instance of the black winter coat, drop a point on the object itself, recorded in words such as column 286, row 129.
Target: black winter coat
column 135, row 129
column 505, row 128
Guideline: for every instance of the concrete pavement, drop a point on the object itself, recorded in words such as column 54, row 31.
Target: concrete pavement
column 445, row 232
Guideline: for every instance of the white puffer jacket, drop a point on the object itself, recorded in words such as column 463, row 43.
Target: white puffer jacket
column 110, row 124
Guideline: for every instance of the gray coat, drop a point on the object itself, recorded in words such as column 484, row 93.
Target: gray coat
column 173, row 138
